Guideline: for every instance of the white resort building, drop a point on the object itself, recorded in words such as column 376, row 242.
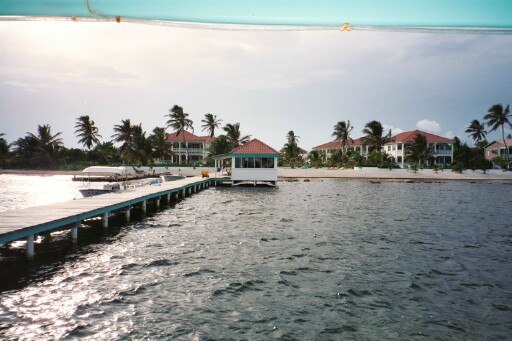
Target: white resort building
column 442, row 147
column 356, row 144
column 252, row 163
column 185, row 143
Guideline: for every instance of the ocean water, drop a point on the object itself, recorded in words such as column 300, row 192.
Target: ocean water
column 320, row 260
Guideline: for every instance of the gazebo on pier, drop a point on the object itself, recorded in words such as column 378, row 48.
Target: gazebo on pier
column 252, row 163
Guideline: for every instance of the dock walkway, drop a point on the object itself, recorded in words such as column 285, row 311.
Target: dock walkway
column 25, row 223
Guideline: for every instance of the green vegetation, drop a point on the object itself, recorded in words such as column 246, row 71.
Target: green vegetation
column 210, row 123
column 291, row 153
column 496, row 118
column 131, row 145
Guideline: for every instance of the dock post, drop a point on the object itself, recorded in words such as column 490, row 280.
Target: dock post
column 168, row 198
column 30, row 247
column 144, row 208
column 158, row 203
column 74, row 232
column 105, row 220
column 184, row 194
column 127, row 214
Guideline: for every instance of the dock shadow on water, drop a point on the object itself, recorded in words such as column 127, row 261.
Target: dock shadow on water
column 331, row 259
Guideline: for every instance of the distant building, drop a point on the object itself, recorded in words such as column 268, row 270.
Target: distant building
column 197, row 147
column 442, row 147
column 251, row 163
column 497, row 148
column 355, row 145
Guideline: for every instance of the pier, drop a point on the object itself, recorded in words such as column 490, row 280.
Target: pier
column 26, row 223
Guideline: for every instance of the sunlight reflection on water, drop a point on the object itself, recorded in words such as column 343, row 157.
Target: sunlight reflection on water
column 21, row 191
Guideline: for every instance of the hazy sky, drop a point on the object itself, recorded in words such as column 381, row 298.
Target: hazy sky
column 270, row 82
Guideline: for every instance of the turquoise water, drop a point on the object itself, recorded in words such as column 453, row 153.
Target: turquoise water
column 453, row 13
column 331, row 259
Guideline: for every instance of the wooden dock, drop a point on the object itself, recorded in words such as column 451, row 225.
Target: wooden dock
column 25, row 223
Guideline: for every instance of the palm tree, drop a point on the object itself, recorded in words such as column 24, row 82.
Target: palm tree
column 291, row 151
column 86, row 131
column 341, row 133
column 220, row 146
column 497, row 117
column 161, row 149
column 140, row 148
column 4, row 149
column 45, row 140
column 476, row 130
column 106, row 152
column 374, row 137
column 211, row 122
column 373, row 132
column 234, row 135
column 124, row 133
column 316, row 158
column 38, row 150
column 179, row 121
column 418, row 149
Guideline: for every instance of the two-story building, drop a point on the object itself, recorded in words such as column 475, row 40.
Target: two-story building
column 356, row 144
column 441, row 147
column 497, row 148
column 187, row 144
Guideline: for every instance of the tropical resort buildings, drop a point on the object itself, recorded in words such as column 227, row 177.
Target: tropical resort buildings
column 356, row 144
column 252, row 163
column 497, row 148
column 187, row 147
column 441, row 147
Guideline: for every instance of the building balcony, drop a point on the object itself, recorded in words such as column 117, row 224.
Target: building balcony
column 442, row 152
column 189, row 150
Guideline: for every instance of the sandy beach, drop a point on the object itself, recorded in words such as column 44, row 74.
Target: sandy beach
column 395, row 174
column 312, row 173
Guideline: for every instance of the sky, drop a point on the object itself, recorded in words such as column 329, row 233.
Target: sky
column 270, row 82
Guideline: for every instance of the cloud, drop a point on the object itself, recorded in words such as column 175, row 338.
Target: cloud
column 428, row 125
column 394, row 130
column 449, row 134
column 19, row 85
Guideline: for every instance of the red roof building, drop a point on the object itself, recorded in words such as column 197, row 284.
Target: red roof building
column 355, row 144
column 254, row 147
column 251, row 163
column 187, row 147
column 441, row 147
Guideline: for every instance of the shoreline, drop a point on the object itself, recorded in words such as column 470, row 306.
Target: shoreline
column 288, row 174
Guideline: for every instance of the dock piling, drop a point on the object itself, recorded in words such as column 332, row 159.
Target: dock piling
column 30, row 247
column 74, row 232
column 158, row 203
column 127, row 214
column 144, row 206
column 105, row 220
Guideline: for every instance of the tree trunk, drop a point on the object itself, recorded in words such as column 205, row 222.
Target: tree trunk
column 506, row 147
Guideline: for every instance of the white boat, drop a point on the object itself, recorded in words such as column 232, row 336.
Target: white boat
column 113, row 175
column 171, row 177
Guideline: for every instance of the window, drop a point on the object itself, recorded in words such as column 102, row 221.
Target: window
column 254, row 162
column 389, row 148
column 399, row 159
column 399, row 146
